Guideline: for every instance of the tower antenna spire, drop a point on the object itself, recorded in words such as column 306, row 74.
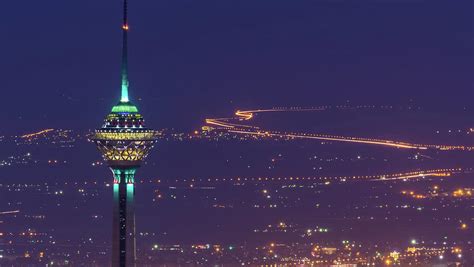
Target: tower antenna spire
column 124, row 95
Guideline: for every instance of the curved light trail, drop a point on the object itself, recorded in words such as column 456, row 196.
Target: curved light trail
column 237, row 125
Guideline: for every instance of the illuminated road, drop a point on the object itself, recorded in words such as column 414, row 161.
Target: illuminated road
column 37, row 134
column 237, row 125
column 9, row 212
column 404, row 176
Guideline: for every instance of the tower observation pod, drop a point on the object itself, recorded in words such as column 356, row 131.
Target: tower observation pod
column 124, row 142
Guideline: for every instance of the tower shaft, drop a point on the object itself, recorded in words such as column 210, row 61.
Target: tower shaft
column 123, row 228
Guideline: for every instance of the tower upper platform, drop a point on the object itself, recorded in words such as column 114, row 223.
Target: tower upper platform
column 123, row 139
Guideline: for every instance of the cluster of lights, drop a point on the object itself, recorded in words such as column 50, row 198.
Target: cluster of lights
column 458, row 193
column 467, row 192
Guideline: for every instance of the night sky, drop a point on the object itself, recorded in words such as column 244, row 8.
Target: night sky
column 60, row 60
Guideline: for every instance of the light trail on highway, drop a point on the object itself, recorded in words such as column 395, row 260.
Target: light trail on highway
column 237, row 125
column 37, row 133
column 9, row 212
column 403, row 176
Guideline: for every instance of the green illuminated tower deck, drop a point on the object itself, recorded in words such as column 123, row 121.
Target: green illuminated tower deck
column 124, row 142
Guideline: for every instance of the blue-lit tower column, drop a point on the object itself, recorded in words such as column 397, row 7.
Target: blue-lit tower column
column 124, row 142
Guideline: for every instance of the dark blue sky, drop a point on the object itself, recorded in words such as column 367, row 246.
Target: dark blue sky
column 192, row 59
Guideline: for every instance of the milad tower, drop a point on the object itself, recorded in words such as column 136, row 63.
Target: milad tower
column 124, row 142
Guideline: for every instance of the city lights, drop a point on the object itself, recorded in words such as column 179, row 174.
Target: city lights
column 291, row 133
